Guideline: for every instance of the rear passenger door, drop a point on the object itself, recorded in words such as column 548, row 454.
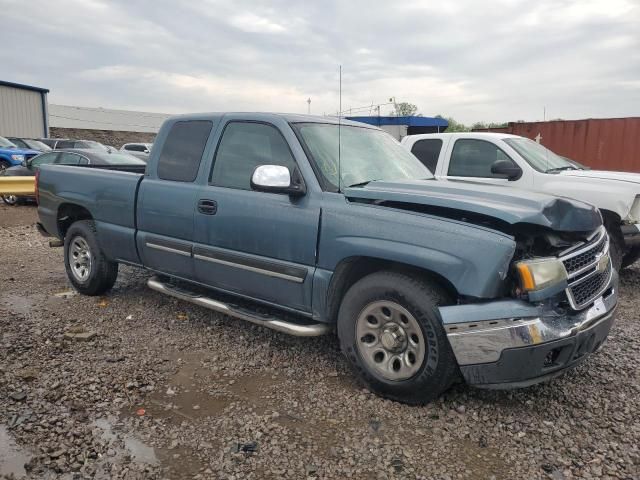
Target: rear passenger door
column 261, row 245
column 167, row 200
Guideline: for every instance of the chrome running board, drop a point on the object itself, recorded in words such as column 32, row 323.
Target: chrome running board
column 306, row 329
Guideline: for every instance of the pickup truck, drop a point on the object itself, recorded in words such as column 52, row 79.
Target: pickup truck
column 519, row 162
column 267, row 218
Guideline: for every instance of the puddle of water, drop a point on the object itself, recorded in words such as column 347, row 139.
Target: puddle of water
column 18, row 303
column 139, row 452
column 12, row 458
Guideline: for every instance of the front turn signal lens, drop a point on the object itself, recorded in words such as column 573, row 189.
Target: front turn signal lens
column 540, row 273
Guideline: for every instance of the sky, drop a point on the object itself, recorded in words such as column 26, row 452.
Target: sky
column 489, row 61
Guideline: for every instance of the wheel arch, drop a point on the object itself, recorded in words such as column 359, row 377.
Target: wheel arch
column 68, row 214
column 352, row 269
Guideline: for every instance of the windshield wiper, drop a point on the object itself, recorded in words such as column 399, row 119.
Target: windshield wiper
column 360, row 184
column 558, row 169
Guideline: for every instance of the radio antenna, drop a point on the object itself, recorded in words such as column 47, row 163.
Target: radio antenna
column 339, row 123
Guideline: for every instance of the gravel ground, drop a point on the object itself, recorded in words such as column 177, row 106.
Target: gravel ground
column 168, row 390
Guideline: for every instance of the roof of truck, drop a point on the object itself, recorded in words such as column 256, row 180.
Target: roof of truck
column 462, row 134
column 289, row 117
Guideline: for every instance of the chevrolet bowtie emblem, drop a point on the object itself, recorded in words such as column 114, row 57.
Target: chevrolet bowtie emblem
column 603, row 263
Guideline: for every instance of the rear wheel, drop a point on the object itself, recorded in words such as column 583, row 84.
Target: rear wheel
column 10, row 199
column 87, row 268
column 391, row 333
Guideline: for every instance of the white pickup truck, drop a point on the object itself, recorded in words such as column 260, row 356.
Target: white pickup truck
column 519, row 162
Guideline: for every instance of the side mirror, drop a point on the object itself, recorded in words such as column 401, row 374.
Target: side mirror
column 277, row 179
column 506, row 169
column 146, row 150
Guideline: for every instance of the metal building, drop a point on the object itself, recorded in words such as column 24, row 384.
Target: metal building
column 23, row 110
column 400, row 127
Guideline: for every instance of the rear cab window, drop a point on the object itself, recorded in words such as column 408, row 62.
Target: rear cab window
column 182, row 150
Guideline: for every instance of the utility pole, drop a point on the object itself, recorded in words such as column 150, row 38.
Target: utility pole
column 309, row 106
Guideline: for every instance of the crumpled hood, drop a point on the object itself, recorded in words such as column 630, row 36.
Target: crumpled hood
column 504, row 203
column 604, row 175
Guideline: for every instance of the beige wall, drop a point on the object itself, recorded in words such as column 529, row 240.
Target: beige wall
column 20, row 113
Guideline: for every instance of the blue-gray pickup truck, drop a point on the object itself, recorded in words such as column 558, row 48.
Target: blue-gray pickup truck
column 303, row 224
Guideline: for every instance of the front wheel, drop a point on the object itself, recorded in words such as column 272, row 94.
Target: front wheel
column 88, row 269
column 631, row 257
column 391, row 333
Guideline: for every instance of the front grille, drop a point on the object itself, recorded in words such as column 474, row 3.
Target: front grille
column 585, row 291
column 575, row 264
column 587, row 279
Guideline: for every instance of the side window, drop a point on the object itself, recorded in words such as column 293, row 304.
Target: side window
column 44, row 159
column 428, row 152
column 473, row 158
column 182, row 150
column 65, row 158
column 245, row 146
column 65, row 144
column 135, row 148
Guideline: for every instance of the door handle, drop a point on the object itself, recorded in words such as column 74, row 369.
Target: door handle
column 208, row 207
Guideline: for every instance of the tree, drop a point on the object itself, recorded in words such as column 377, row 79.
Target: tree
column 404, row 109
column 453, row 125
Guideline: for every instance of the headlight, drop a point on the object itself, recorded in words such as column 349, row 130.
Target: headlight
column 17, row 158
column 540, row 273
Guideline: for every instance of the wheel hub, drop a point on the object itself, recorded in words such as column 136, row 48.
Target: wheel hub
column 390, row 340
column 80, row 259
column 393, row 338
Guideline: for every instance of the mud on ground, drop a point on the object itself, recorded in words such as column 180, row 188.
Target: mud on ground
column 169, row 390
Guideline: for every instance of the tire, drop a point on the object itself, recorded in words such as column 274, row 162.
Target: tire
column 3, row 166
column 11, row 200
column 415, row 383
column 631, row 257
column 616, row 248
column 81, row 248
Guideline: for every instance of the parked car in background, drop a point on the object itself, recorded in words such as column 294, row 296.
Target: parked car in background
column 504, row 159
column 80, row 144
column 65, row 143
column 140, row 150
column 30, row 144
column 49, row 142
column 11, row 155
column 264, row 218
column 66, row 157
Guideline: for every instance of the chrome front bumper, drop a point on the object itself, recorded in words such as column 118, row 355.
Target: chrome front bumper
column 480, row 333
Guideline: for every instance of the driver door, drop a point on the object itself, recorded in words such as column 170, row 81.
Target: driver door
column 471, row 159
column 257, row 244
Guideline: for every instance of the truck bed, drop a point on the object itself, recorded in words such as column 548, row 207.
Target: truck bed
column 109, row 193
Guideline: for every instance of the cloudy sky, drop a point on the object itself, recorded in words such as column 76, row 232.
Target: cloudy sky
column 473, row 60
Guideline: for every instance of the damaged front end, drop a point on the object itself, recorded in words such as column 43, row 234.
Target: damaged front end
column 563, row 299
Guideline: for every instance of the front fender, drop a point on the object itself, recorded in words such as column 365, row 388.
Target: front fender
column 475, row 260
